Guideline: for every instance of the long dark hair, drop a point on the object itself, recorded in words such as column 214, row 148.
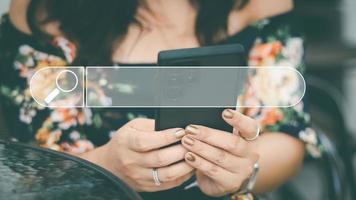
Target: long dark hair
column 95, row 25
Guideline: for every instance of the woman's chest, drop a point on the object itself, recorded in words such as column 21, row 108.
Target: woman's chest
column 143, row 45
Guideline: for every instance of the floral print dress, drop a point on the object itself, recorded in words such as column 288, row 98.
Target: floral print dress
column 270, row 42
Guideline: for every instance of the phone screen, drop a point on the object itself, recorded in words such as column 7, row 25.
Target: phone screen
column 222, row 55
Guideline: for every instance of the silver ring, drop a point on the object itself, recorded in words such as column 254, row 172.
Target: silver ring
column 155, row 177
column 256, row 136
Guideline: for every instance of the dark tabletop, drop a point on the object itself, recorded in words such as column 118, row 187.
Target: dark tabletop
column 35, row 173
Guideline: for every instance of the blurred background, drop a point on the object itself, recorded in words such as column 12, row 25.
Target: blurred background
column 4, row 6
column 330, row 32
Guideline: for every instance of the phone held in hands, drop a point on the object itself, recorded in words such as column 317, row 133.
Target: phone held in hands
column 196, row 82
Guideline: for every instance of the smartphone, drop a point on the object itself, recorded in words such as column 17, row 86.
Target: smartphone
column 220, row 55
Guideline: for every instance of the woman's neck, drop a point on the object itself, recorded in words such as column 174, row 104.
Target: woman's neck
column 166, row 12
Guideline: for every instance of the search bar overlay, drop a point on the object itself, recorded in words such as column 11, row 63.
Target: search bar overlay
column 148, row 86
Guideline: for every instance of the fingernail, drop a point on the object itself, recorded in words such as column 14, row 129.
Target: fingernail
column 180, row 133
column 229, row 114
column 191, row 129
column 190, row 157
column 188, row 141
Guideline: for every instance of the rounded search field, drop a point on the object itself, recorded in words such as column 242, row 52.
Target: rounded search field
column 168, row 86
column 58, row 86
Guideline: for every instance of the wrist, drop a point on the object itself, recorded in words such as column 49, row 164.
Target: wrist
column 102, row 156
column 99, row 157
column 249, row 183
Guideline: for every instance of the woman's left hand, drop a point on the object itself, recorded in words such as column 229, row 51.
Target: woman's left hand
column 223, row 160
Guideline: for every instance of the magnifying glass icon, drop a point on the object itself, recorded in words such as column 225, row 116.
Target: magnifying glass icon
column 52, row 95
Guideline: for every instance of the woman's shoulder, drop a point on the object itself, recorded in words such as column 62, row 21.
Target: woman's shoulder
column 257, row 12
column 18, row 15
column 12, row 39
column 269, row 9
column 21, row 53
column 278, row 29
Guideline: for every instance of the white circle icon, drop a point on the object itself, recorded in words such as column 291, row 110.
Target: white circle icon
column 52, row 95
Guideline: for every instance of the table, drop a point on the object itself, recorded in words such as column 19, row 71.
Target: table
column 28, row 173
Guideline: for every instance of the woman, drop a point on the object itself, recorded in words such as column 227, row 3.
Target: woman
column 61, row 32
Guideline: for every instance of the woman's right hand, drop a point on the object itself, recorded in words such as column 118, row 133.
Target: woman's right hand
column 136, row 149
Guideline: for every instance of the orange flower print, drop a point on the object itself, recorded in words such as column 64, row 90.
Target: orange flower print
column 79, row 146
column 271, row 116
column 69, row 48
column 42, row 135
column 48, row 139
column 265, row 54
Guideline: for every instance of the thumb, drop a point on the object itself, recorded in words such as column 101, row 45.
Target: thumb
column 247, row 127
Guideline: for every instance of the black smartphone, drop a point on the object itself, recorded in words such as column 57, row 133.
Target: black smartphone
column 220, row 55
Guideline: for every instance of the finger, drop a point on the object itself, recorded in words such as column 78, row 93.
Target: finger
column 209, row 169
column 174, row 172
column 162, row 157
column 143, row 22
column 144, row 176
column 142, row 124
column 143, row 141
column 171, row 173
column 147, row 17
column 165, row 174
column 221, row 139
column 167, row 185
column 246, row 126
column 216, row 155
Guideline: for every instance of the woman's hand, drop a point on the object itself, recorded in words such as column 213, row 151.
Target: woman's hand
column 136, row 149
column 223, row 160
